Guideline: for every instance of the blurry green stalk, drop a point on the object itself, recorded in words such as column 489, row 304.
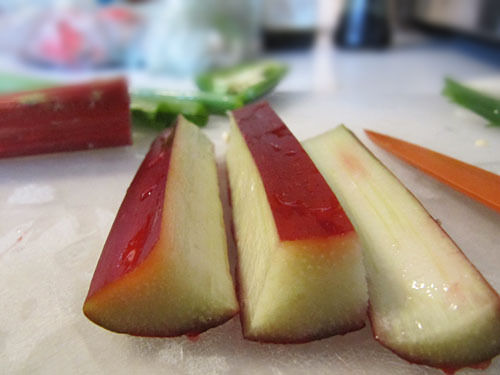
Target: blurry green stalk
column 478, row 102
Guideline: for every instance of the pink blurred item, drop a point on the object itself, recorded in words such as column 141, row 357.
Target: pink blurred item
column 75, row 37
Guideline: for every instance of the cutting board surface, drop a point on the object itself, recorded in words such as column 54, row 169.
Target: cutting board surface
column 56, row 211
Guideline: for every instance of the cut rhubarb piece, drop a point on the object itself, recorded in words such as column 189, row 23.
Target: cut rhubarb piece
column 164, row 269
column 300, row 271
column 428, row 303
column 68, row 118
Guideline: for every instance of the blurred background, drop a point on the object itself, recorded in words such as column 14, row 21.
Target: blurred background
column 379, row 45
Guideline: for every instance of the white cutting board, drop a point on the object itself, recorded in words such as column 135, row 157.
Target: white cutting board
column 56, row 211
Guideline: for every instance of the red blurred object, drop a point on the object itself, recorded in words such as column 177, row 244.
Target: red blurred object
column 66, row 47
column 68, row 118
column 74, row 37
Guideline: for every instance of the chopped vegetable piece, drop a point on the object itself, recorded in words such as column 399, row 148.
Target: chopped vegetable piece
column 478, row 102
column 428, row 303
column 69, row 118
column 472, row 181
column 214, row 102
column 249, row 82
column 164, row 269
column 300, row 270
column 145, row 118
column 161, row 112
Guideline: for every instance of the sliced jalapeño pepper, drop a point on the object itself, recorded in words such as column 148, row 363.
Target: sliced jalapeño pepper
column 248, row 82
column 215, row 103
column 161, row 113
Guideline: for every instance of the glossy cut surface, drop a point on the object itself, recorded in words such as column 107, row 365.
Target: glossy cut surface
column 428, row 303
column 153, row 277
column 301, row 201
column 132, row 238
column 300, row 269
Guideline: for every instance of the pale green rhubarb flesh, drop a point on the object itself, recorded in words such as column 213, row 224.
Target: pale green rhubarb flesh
column 428, row 303
column 290, row 289
column 164, row 269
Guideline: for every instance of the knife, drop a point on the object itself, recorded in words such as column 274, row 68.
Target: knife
column 472, row 181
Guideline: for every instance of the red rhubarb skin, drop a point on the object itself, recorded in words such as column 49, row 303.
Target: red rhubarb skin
column 302, row 203
column 69, row 118
column 137, row 226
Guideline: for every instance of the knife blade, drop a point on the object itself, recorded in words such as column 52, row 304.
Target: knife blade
column 477, row 183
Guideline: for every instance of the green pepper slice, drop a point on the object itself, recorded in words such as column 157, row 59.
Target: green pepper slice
column 214, row 102
column 161, row 113
column 248, row 82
